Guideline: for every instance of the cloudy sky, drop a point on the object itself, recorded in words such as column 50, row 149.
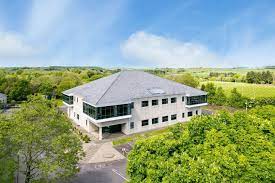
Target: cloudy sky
column 137, row 33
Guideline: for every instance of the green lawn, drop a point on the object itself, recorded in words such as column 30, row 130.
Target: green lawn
column 248, row 90
column 137, row 136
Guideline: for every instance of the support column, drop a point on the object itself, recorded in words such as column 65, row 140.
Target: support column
column 99, row 133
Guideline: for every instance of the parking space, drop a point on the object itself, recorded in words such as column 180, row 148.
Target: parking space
column 112, row 172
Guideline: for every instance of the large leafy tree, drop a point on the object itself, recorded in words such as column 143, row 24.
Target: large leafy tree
column 48, row 149
column 8, row 149
column 221, row 148
column 186, row 79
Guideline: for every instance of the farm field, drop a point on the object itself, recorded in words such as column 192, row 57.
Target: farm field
column 246, row 89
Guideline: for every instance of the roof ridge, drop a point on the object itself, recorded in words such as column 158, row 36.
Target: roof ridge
column 109, row 87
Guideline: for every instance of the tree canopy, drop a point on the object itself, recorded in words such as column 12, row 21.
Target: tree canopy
column 41, row 138
column 220, row 148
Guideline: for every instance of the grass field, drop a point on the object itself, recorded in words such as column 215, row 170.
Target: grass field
column 248, row 90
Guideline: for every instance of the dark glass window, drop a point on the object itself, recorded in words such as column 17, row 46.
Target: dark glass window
column 144, row 103
column 173, row 117
column 197, row 112
column 164, row 118
column 77, row 116
column 106, row 112
column 86, row 122
column 165, row 101
column 173, row 100
column 68, row 99
column 132, row 125
column 183, row 115
column 155, row 102
column 182, row 99
column 145, row 122
column 196, row 100
column 190, row 113
column 89, row 110
column 155, row 120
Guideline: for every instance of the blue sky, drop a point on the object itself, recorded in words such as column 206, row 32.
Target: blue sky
column 137, row 33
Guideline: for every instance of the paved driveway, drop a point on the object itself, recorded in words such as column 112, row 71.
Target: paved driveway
column 112, row 172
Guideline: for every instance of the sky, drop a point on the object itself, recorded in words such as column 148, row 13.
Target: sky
column 137, row 33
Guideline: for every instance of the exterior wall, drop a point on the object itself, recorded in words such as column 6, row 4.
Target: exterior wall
column 138, row 114
column 148, row 113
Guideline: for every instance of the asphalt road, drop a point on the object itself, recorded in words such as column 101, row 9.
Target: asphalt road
column 114, row 172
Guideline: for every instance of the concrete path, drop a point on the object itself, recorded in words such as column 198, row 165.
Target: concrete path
column 105, row 153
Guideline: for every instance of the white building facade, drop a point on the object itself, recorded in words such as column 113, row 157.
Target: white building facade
column 130, row 105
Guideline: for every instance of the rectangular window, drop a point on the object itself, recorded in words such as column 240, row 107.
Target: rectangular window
column 173, row 100
column 77, row 99
column 155, row 120
column 155, row 102
column 68, row 99
column 164, row 118
column 144, row 103
column 77, row 116
column 145, row 122
column 165, row 101
column 132, row 125
column 182, row 99
column 86, row 122
column 183, row 115
column 173, row 117
column 190, row 113
column 197, row 112
column 193, row 100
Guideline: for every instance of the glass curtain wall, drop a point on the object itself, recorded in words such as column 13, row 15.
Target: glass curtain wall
column 107, row 112
column 193, row 100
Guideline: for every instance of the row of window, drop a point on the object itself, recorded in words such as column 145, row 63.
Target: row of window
column 145, row 103
column 164, row 119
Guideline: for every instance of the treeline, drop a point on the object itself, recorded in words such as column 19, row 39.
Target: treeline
column 217, row 96
column 264, row 77
column 17, row 84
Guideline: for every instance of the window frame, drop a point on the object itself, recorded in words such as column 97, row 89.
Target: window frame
column 132, row 125
column 190, row 112
column 145, row 120
column 164, row 99
column 173, row 100
column 155, row 100
column 146, row 102
column 165, row 117
column 183, row 115
column 173, row 117
column 155, row 121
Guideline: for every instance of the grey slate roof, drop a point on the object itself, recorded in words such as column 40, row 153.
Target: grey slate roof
column 123, row 87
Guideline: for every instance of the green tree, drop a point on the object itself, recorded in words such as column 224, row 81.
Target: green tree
column 219, row 97
column 48, row 149
column 236, row 99
column 220, row 148
column 8, row 150
column 211, row 91
column 186, row 79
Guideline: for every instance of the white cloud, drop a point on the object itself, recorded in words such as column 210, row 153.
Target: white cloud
column 45, row 16
column 13, row 46
column 160, row 51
